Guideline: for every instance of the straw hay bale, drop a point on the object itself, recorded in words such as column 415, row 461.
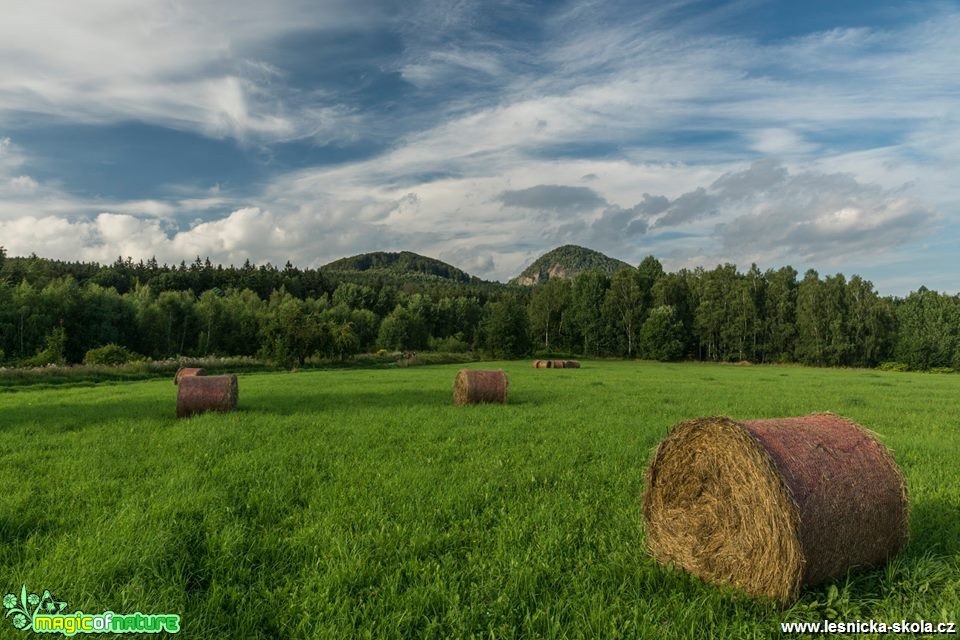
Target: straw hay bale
column 558, row 364
column 473, row 386
column 571, row 364
column 540, row 364
column 773, row 505
column 197, row 394
column 184, row 372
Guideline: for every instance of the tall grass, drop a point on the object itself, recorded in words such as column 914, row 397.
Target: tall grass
column 361, row 503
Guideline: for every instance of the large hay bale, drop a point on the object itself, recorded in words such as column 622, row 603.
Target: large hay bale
column 571, row 364
column 773, row 505
column 473, row 386
column 185, row 372
column 540, row 364
column 558, row 364
column 209, row 393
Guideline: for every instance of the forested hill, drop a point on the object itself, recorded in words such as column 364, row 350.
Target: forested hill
column 402, row 263
column 567, row 262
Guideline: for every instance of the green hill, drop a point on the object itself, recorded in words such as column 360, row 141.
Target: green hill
column 566, row 262
column 399, row 263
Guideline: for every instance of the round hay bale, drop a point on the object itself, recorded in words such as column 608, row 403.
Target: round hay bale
column 184, row 372
column 571, row 364
column 197, row 394
column 773, row 505
column 473, row 386
column 540, row 364
column 558, row 364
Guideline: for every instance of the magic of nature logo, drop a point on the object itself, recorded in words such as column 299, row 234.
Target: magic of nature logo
column 45, row 614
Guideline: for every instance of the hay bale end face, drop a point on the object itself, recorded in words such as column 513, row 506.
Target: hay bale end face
column 472, row 386
column 197, row 394
column 540, row 364
column 770, row 506
column 184, row 372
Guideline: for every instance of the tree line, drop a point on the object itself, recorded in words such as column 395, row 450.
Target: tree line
column 54, row 311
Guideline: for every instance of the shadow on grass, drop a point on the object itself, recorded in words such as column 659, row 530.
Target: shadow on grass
column 289, row 403
column 934, row 527
column 919, row 568
column 65, row 416
column 15, row 530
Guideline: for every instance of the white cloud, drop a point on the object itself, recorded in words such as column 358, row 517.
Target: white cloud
column 780, row 142
column 182, row 65
column 635, row 86
column 24, row 184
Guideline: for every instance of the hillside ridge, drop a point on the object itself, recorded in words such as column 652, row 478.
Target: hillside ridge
column 566, row 262
column 398, row 262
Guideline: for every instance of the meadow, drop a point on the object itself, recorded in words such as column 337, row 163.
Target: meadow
column 361, row 503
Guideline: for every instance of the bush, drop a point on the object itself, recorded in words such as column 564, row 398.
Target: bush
column 110, row 354
column 893, row 366
column 453, row 344
column 941, row 370
column 55, row 345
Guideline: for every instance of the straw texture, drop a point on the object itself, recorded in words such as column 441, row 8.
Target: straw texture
column 184, row 372
column 771, row 506
column 472, row 386
column 197, row 394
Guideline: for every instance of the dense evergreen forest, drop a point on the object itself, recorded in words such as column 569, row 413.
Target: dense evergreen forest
column 57, row 312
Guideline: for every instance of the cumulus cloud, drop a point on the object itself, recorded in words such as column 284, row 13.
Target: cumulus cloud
column 553, row 197
column 730, row 188
column 24, row 184
column 827, row 226
column 767, row 211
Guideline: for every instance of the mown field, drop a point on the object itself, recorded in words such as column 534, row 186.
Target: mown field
column 360, row 503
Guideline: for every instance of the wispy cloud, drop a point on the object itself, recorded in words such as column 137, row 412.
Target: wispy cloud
column 586, row 123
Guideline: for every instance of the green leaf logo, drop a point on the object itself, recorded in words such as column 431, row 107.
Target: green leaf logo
column 24, row 608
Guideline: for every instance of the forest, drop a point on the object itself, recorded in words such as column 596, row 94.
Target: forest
column 56, row 312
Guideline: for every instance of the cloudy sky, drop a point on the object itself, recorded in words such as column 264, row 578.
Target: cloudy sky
column 485, row 132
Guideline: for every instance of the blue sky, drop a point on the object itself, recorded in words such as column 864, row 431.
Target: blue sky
column 483, row 133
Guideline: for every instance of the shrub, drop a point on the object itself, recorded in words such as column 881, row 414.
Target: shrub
column 453, row 344
column 55, row 345
column 941, row 370
column 894, row 366
column 110, row 354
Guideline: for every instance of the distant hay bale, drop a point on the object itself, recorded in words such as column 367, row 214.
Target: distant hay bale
column 555, row 364
column 208, row 393
column 744, row 363
column 773, row 505
column 184, row 372
column 472, row 386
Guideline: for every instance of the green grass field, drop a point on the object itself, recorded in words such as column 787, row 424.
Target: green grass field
column 360, row 503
